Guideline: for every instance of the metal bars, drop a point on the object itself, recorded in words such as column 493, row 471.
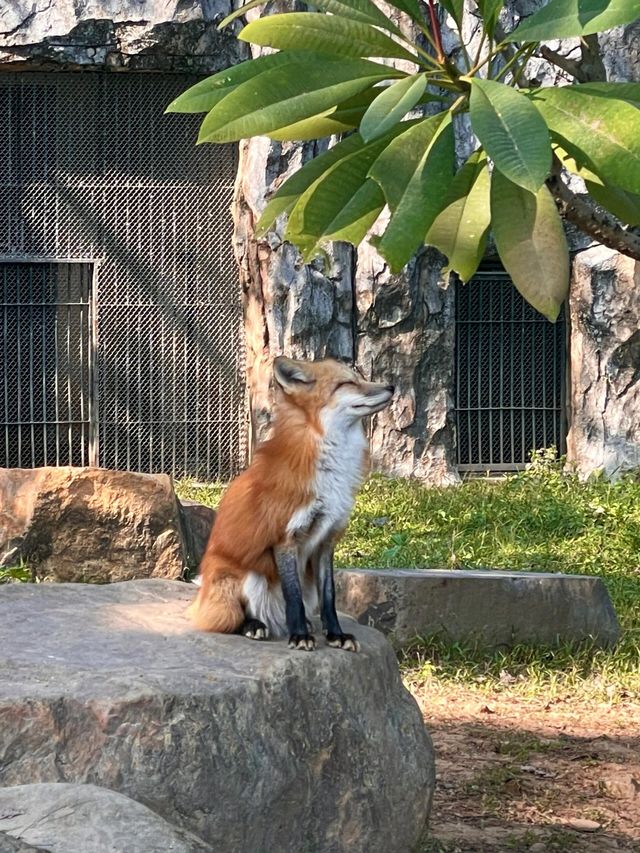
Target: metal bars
column 91, row 168
column 46, row 364
column 510, row 376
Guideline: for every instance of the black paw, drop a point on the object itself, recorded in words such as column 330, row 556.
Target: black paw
column 254, row 629
column 343, row 641
column 302, row 642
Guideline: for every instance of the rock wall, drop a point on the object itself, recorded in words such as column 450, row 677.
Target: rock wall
column 398, row 328
column 139, row 35
column 301, row 310
column 604, row 368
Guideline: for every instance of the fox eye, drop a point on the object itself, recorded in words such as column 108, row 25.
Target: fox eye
column 342, row 384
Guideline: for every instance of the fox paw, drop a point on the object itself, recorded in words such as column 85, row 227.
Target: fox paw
column 254, row 629
column 302, row 642
column 343, row 641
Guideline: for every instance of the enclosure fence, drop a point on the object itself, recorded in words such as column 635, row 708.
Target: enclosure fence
column 509, row 374
column 121, row 317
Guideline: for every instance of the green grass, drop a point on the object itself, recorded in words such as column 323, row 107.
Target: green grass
column 10, row 574
column 542, row 519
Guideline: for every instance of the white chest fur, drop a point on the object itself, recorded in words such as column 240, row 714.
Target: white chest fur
column 339, row 471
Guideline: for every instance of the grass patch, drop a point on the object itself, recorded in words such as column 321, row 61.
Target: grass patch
column 11, row 574
column 541, row 519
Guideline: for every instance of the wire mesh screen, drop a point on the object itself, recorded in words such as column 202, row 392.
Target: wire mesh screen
column 510, row 369
column 91, row 169
column 45, row 395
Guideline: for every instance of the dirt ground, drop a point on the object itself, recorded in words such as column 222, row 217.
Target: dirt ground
column 522, row 774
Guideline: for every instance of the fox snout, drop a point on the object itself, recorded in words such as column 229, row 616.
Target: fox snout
column 376, row 397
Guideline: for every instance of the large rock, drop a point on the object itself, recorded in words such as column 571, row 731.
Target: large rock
column 604, row 305
column 64, row 818
column 90, row 524
column 197, row 521
column 250, row 746
column 145, row 35
column 494, row 607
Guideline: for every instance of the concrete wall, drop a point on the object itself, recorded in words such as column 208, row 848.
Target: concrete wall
column 398, row 327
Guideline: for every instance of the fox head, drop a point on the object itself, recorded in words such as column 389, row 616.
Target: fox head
column 329, row 391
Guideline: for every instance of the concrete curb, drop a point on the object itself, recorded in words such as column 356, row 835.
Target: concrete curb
column 497, row 608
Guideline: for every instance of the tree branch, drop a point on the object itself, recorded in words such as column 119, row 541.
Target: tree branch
column 594, row 221
column 570, row 66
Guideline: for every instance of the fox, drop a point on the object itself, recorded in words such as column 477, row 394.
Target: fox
column 269, row 558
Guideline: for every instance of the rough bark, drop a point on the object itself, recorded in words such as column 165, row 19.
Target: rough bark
column 406, row 335
column 604, row 378
column 301, row 310
column 155, row 35
column 591, row 220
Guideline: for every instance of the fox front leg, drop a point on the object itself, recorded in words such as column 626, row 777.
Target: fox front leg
column 299, row 636
column 323, row 570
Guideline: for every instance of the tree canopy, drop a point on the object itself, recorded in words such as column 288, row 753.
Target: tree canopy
column 334, row 74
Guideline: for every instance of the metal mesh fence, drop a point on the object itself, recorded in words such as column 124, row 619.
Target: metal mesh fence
column 510, row 376
column 46, row 364
column 91, row 170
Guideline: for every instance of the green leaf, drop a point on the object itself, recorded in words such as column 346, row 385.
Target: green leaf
column 512, row 133
column 207, row 93
column 600, row 133
column 531, row 243
column 391, row 105
column 324, row 124
column 356, row 218
column 455, row 8
column 415, row 172
column 460, row 230
column 329, row 34
column 239, row 12
column 567, row 18
column 410, row 7
column 358, row 10
column 490, row 10
column 623, row 204
column 293, row 187
column 622, row 91
column 324, row 202
column 287, row 94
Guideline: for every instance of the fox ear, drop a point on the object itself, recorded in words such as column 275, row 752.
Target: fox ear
column 290, row 374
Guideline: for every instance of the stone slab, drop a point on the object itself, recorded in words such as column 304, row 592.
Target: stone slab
column 250, row 746
column 65, row 818
column 495, row 607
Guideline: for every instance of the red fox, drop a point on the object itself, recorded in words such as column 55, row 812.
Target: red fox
column 270, row 554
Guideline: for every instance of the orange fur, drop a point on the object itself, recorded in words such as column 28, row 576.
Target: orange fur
column 255, row 510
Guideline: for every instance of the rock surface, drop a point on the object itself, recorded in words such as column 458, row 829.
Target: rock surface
column 247, row 745
column 64, row 818
column 145, row 35
column 197, row 521
column 604, row 307
column 497, row 608
column 90, row 524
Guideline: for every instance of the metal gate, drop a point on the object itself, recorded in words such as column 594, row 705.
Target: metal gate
column 91, row 170
column 510, row 376
column 47, row 364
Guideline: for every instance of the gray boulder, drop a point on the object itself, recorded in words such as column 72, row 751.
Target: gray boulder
column 495, row 607
column 249, row 746
column 64, row 818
